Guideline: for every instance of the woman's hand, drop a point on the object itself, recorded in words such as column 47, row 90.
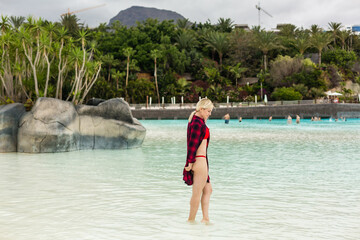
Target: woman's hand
column 189, row 167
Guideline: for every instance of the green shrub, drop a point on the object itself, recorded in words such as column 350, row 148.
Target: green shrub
column 285, row 93
column 339, row 57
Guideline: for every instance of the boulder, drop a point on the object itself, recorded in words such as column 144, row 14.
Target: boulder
column 51, row 126
column 9, row 121
column 115, row 108
column 110, row 125
column 58, row 126
column 95, row 101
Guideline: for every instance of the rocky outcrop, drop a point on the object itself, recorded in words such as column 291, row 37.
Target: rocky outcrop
column 58, row 126
column 115, row 108
column 110, row 125
column 9, row 122
column 51, row 126
column 129, row 17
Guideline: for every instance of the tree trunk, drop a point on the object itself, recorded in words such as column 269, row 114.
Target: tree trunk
column 265, row 62
column 33, row 67
column 59, row 69
column 156, row 83
column 127, row 77
column 47, row 74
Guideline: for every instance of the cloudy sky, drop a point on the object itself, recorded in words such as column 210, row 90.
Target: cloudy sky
column 299, row 12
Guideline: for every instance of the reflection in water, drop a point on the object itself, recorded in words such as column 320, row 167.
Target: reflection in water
column 270, row 180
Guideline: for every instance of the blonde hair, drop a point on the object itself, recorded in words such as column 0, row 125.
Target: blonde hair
column 203, row 103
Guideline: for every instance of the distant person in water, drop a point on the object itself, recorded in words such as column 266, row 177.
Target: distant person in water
column 240, row 119
column 196, row 170
column 297, row 119
column 227, row 118
column 270, row 118
column 289, row 119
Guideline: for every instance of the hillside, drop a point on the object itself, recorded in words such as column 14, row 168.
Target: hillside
column 128, row 17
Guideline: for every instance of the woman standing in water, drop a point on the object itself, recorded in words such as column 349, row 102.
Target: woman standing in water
column 197, row 165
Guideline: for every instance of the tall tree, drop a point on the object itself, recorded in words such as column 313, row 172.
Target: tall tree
column 17, row 21
column 315, row 29
column 62, row 35
column 237, row 70
column 186, row 40
column 71, row 23
column 335, row 28
column 343, row 36
column 225, row 25
column 219, row 42
column 266, row 41
column 301, row 42
column 320, row 40
column 183, row 24
column 4, row 23
column 128, row 52
column 155, row 54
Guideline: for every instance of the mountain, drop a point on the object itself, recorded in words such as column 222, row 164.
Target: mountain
column 128, row 17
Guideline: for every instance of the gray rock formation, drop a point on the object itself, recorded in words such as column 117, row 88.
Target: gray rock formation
column 51, row 126
column 115, row 108
column 9, row 121
column 58, row 126
column 130, row 16
column 110, row 125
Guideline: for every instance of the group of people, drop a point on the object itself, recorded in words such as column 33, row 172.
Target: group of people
column 226, row 117
column 289, row 119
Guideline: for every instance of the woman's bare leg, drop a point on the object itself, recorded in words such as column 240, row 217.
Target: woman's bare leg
column 200, row 177
column 205, row 200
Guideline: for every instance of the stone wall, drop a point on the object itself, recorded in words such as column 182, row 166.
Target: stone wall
column 303, row 110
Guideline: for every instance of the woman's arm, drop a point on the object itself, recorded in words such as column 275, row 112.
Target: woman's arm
column 194, row 135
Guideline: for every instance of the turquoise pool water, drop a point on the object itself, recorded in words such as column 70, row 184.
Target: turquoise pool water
column 270, row 180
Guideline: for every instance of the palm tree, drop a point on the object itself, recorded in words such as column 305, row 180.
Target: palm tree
column 343, row 36
column 183, row 86
column 183, row 24
column 301, row 42
column 17, row 21
column 335, row 29
column 155, row 54
column 51, row 29
column 46, row 48
column 225, row 25
column 4, row 24
column 237, row 71
column 80, row 64
column 128, row 52
column 186, row 40
column 117, row 75
column 287, row 30
column 219, row 42
column 62, row 35
column 103, row 27
column 320, row 40
column 27, row 42
column 108, row 60
column 315, row 29
column 265, row 42
column 71, row 23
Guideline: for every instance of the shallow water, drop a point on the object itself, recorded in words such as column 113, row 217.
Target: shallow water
column 270, row 181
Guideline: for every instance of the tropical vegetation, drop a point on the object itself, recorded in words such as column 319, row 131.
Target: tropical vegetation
column 69, row 61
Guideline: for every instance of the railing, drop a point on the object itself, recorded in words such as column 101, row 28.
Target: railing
column 225, row 105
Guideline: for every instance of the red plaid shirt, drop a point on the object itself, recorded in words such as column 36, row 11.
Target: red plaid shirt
column 195, row 134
